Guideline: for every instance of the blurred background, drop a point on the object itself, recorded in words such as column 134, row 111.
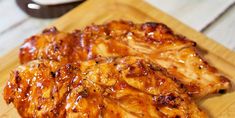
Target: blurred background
column 214, row 18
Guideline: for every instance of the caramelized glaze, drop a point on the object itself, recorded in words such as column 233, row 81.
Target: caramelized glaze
column 104, row 87
column 154, row 41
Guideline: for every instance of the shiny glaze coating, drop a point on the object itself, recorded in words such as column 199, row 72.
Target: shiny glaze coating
column 154, row 41
column 130, row 87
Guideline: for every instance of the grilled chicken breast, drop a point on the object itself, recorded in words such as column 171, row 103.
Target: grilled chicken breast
column 153, row 41
column 104, row 87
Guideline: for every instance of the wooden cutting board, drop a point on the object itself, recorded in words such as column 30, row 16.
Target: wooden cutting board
column 100, row 11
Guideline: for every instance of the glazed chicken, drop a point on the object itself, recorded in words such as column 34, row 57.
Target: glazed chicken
column 127, row 87
column 153, row 41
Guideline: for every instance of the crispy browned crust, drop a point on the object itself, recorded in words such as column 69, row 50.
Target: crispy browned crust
column 105, row 87
column 154, row 41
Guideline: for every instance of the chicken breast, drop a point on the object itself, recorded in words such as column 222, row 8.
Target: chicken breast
column 153, row 41
column 105, row 87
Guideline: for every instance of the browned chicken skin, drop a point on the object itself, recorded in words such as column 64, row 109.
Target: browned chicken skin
column 153, row 41
column 104, row 87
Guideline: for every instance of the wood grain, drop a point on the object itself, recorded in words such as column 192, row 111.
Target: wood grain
column 15, row 36
column 93, row 12
column 195, row 13
column 16, row 25
column 217, row 30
